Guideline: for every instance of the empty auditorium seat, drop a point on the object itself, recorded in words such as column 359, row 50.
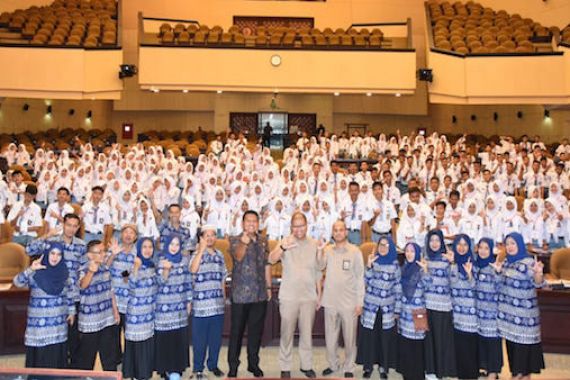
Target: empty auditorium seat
column 13, row 260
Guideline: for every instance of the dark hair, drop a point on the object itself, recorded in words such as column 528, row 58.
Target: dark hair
column 377, row 184
column 434, row 178
column 63, row 188
column 170, row 207
column 353, row 183
column 250, row 212
column 92, row 244
column 454, row 192
column 414, row 190
column 16, row 172
column 31, row 189
column 71, row 215
column 441, row 203
column 97, row 188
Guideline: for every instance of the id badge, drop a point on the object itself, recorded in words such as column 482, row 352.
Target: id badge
column 345, row 264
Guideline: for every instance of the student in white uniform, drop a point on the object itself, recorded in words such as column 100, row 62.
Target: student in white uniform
column 276, row 221
column 25, row 217
column 412, row 228
column 383, row 214
column 553, row 224
column 471, row 222
column 189, row 218
column 511, row 219
column 96, row 215
column 218, row 212
column 57, row 210
column 325, row 218
column 354, row 211
column 534, row 220
column 145, row 220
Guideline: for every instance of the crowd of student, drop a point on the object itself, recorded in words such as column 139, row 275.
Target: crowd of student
column 444, row 202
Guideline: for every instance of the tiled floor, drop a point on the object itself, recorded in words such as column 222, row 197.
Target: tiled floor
column 557, row 366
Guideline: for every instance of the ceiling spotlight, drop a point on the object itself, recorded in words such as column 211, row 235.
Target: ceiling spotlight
column 48, row 110
column 89, row 114
column 368, row 94
column 26, row 107
column 398, row 95
column 495, row 116
column 454, row 119
column 219, row 91
column 337, row 94
column 473, row 117
column 546, row 114
column 520, row 114
column 71, row 112
column 185, row 91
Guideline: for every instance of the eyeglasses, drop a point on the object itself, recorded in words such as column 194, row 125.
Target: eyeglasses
column 299, row 226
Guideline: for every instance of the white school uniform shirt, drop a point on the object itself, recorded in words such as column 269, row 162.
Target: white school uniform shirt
column 323, row 224
column 96, row 217
column 471, row 225
column 32, row 217
column 277, row 225
column 533, row 179
column 16, row 193
column 53, row 222
column 147, row 228
column 190, row 220
column 383, row 222
column 409, row 232
column 219, row 215
column 392, row 194
column 4, row 196
column 361, row 213
column 553, row 227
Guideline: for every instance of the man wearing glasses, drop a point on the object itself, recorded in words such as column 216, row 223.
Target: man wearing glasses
column 298, row 294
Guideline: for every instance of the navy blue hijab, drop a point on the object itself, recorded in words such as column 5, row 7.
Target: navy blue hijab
column 435, row 255
column 176, row 257
column 392, row 254
column 482, row 263
column 411, row 272
column 52, row 279
column 148, row 263
column 522, row 252
column 459, row 258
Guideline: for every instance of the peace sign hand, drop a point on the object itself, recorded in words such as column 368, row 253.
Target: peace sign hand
column 423, row 264
column 322, row 244
column 497, row 265
column 449, row 255
column 37, row 264
column 538, row 266
column 371, row 259
column 468, row 266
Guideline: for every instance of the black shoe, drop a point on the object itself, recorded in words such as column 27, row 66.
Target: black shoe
column 285, row 374
column 199, row 375
column 367, row 373
column 309, row 373
column 256, row 371
column 348, row 375
column 232, row 373
column 217, row 372
column 327, row 372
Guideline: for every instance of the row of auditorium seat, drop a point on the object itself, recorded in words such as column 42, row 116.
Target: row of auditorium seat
column 472, row 28
column 194, row 34
column 58, row 139
column 65, row 23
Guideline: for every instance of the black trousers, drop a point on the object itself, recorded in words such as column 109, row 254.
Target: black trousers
column 73, row 337
column 104, row 342
column 118, row 342
column 252, row 316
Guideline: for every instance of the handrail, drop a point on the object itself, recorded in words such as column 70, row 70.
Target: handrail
column 170, row 20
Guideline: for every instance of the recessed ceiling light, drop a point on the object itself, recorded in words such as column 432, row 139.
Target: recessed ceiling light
column 155, row 90
column 368, row 94
column 336, row 93
column 219, row 91
column 398, row 94
column 185, row 91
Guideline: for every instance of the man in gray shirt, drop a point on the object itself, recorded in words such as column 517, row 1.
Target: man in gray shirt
column 298, row 293
column 343, row 297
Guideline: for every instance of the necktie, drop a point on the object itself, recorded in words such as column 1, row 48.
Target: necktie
column 95, row 209
column 388, row 193
column 315, row 189
column 353, row 211
column 18, row 197
column 535, row 181
column 144, row 219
